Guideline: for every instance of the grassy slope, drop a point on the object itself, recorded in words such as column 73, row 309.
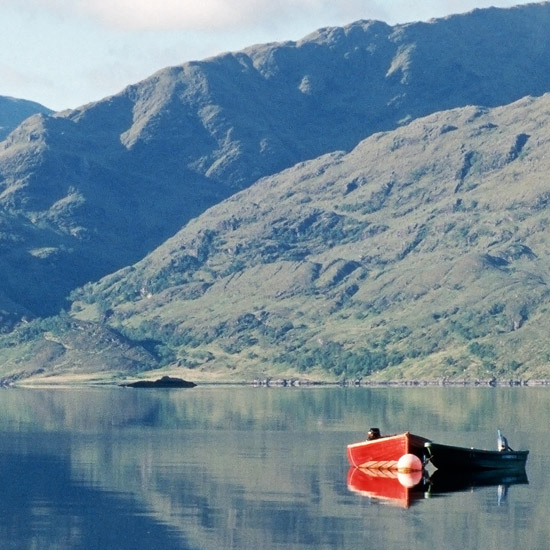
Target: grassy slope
column 422, row 253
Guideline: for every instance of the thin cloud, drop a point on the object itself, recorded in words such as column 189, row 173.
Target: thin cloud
column 201, row 15
column 208, row 15
column 235, row 15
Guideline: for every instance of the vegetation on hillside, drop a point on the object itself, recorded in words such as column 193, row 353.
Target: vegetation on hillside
column 422, row 253
column 406, row 247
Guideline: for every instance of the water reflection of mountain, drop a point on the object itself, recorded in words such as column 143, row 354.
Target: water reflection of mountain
column 39, row 496
column 204, row 471
column 231, row 468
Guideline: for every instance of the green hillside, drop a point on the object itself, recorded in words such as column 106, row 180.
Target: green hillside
column 421, row 254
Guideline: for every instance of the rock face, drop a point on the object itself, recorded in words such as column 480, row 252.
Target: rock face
column 164, row 382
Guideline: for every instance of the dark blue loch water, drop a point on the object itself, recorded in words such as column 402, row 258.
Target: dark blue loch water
column 254, row 468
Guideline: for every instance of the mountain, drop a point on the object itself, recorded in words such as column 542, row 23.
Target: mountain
column 333, row 207
column 88, row 191
column 14, row 111
column 422, row 253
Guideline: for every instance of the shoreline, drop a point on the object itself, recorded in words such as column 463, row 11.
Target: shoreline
column 90, row 381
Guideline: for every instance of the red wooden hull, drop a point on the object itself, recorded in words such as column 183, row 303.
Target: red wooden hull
column 387, row 486
column 385, row 452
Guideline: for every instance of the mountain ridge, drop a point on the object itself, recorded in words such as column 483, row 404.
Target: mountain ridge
column 13, row 111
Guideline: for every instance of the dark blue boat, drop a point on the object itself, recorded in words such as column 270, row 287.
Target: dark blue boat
column 448, row 457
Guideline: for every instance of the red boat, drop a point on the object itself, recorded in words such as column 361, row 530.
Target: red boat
column 383, row 452
column 387, row 486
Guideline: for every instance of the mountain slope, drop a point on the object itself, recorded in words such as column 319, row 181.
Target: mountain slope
column 88, row 191
column 421, row 253
column 14, row 111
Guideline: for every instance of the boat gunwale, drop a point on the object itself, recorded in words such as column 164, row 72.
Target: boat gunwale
column 408, row 435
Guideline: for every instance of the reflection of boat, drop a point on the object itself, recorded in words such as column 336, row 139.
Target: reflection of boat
column 404, row 490
column 385, row 451
column 442, row 481
column 448, row 457
column 390, row 486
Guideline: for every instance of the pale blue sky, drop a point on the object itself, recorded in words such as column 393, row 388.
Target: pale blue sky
column 65, row 53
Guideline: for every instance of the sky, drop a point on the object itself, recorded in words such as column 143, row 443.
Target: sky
column 66, row 53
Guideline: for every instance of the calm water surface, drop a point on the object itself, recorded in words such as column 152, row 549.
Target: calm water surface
column 249, row 468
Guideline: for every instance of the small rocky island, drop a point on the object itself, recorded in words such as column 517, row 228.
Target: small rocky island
column 164, row 382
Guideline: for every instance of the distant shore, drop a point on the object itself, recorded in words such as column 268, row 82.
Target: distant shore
column 210, row 379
